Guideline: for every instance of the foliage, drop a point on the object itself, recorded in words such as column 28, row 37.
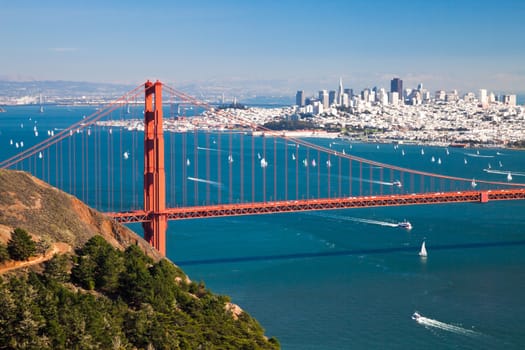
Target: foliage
column 291, row 125
column 135, row 303
column 4, row 254
column 21, row 246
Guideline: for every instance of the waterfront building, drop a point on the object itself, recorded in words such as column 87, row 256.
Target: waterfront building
column 300, row 99
column 396, row 85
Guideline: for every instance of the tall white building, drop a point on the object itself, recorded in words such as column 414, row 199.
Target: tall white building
column 393, row 98
column 340, row 93
column 483, row 97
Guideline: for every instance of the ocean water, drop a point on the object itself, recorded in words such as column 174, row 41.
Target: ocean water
column 350, row 279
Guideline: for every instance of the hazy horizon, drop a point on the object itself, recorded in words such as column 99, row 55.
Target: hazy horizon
column 287, row 46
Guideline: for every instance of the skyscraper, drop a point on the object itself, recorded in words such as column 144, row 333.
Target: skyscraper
column 396, row 85
column 332, row 97
column 299, row 98
column 340, row 92
column 323, row 98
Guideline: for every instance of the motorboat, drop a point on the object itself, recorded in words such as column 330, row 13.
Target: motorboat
column 416, row 316
column 397, row 183
column 404, row 224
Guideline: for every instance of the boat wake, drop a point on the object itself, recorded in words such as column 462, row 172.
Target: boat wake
column 207, row 149
column 430, row 323
column 513, row 173
column 478, row 155
column 362, row 220
column 214, row 183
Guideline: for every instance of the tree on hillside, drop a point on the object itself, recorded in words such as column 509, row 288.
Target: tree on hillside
column 4, row 254
column 21, row 246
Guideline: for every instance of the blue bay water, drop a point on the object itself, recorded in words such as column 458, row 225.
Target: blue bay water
column 349, row 278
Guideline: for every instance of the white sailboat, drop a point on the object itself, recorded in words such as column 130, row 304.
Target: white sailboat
column 328, row 163
column 473, row 183
column 402, row 152
column 293, row 156
column 439, row 160
column 230, row 159
column 188, row 162
column 432, row 159
column 422, row 152
column 423, row 252
column 314, row 163
column 509, row 176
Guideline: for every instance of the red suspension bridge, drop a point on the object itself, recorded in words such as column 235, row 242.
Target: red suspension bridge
column 213, row 162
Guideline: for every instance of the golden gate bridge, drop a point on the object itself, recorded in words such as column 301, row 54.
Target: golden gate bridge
column 213, row 163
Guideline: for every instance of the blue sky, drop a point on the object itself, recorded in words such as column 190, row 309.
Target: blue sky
column 292, row 44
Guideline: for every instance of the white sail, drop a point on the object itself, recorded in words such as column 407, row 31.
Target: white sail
column 509, row 177
column 423, row 251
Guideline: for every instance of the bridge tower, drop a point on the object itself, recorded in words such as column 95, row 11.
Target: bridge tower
column 154, row 173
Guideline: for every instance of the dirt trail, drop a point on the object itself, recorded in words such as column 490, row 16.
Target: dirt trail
column 56, row 248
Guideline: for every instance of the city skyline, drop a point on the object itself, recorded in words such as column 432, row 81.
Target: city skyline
column 282, row 46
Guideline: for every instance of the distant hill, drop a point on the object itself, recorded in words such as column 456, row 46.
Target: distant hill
column 100, row 286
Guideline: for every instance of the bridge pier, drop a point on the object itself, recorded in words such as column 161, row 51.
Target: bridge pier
column 154, row 173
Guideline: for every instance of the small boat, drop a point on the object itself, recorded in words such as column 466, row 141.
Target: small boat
column 446, row 150
column 230, row 159
column 314, row 163
column 293, row 156
column 402, row 152
column 258, row 155
column 509, row 177
column 125, row 155
column 397, row 183
column 433, row 159
column 500, row 165
column 473, row 183
column 404, row 224
column 422, row 152
column 40, row 155
column 264, row 163
column 439, row 160
column 465, row 160
column 305, row 162
column 328, row 163
column 416, row 316
column 423, row 252
column 188, row 162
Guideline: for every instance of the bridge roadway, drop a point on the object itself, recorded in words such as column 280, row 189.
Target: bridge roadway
column 208, row 211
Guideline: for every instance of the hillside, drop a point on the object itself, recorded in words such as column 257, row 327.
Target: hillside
column 48, row 213
column 106, row 287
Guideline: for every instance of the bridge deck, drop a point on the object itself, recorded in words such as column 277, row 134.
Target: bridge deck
column 322, row 204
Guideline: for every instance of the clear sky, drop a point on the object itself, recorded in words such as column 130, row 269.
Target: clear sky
column 445, row 44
